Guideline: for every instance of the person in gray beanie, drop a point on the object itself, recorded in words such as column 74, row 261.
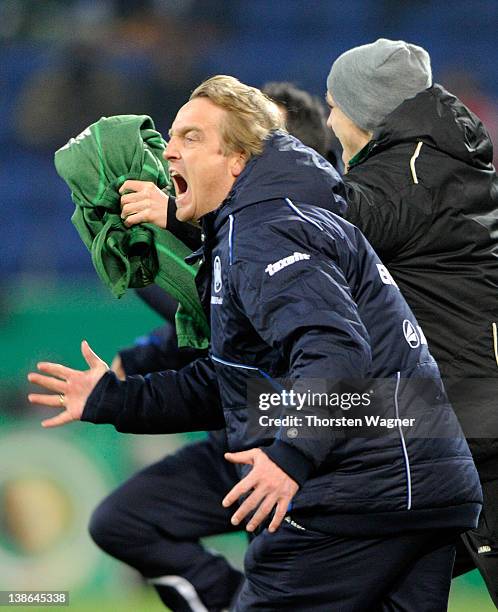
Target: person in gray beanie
column 421, row 186
column 370, row 81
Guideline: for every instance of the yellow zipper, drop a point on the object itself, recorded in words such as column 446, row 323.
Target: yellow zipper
column 495, row 341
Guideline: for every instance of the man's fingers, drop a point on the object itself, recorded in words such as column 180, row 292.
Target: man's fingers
column 135, row 219
column 45, row 400
column 242, row 457
column 56, row 421
column 242, row 487
column 131, row 185
column 117, row 367
column 92, row 359
column 48, row 382
column 279, row 515
column 262, row 512
column 132, row 209
column 55, row 369
column 131, row 198
column 248, row 506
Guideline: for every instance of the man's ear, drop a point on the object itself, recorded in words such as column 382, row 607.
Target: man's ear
column 238, row 163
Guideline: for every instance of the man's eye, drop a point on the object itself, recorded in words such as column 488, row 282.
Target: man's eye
column 190, row 139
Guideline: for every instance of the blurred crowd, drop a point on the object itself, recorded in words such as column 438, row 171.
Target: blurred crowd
column 66, row 63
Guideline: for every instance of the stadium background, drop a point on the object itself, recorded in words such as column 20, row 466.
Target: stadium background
column 63, row 65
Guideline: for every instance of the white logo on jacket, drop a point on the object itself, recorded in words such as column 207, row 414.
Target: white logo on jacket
column 385, row 275
column 217, row 274
column 273, row 268
column 414, row 337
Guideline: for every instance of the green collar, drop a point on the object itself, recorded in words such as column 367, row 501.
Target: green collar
column 361, row 155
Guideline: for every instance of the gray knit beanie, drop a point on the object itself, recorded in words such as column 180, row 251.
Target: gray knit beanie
column 369, row 82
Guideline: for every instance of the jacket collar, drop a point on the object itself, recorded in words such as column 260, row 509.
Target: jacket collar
column 440, row 120
column 285, row 169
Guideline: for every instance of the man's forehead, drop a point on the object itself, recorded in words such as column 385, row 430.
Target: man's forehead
column 197, row 114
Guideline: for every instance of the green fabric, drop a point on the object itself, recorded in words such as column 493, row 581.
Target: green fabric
column 94, row 165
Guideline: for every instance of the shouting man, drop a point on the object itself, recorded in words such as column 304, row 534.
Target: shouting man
column 296, row 292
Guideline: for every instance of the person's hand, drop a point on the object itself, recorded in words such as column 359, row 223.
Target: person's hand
column 72, row 387
column 143, row 202
column 117, row 367
column 270, row 487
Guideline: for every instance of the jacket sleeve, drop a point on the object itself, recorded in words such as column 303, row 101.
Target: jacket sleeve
column 305, row 311
column 375, row 216
column 162, row 402
column 159, row 300
column 156, row 352
column 392, row 219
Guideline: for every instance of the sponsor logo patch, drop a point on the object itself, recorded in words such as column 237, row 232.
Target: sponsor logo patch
column 273, row 268
column 413, row 335
column 217, row 274
column 385, row 275
column 288, row 519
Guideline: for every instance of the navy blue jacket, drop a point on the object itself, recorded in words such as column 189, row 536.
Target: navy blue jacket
column 297, row 292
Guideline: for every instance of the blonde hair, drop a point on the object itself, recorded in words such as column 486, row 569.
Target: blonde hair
column 251, row 115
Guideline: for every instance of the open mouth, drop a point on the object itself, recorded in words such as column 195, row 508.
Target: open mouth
column 181, row 185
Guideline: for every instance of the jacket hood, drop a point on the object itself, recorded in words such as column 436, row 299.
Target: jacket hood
column 286, row 169
column 440, row 120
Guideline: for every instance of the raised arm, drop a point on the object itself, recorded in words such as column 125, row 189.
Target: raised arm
column 164, row 402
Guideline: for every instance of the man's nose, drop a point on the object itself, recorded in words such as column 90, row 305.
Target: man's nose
column 171, row 150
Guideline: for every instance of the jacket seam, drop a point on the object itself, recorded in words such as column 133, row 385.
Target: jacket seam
column 403, row 445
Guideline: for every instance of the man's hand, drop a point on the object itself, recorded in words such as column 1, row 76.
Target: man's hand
column 117, row 367
column 143, row 202
column 72, row 387
column 270, row 487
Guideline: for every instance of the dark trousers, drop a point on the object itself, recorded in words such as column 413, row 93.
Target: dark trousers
column 154, row 521
column 307, row 571
column 478, row 548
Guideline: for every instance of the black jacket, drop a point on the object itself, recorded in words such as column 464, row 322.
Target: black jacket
column 296, row 292
column 425, row 194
